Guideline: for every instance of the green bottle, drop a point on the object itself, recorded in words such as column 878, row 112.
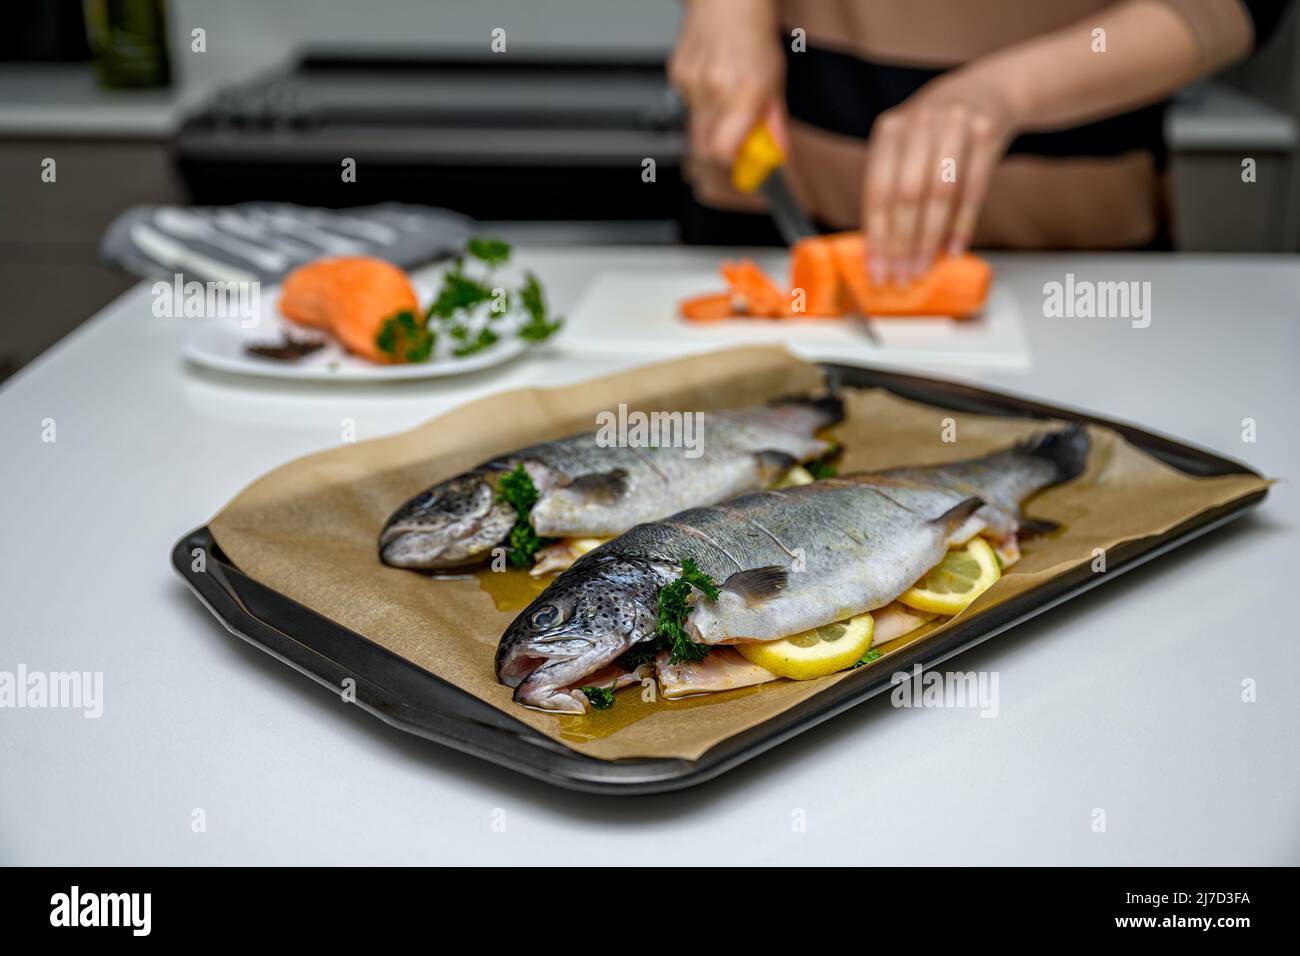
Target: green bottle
column 129, row 41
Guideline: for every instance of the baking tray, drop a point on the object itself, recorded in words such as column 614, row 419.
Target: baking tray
column 412, row 699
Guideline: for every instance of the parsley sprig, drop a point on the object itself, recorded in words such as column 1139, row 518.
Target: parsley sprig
column 600, row 698
column 538, row 328
column 459, row 292
column 516, row 489
column 492, row 251
column 825, row 466
column 673, row 609
column 472, row 342
column 641, row 654
column 466, row 302
column 406, row 338
column 871, row 655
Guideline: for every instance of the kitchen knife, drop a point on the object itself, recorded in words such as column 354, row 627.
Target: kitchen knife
column 757, row 169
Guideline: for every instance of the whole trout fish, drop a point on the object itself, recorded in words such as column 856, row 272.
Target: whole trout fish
column 591, row 487
column 789, row 560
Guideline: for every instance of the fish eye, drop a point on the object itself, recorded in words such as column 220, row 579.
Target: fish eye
column 546, row 616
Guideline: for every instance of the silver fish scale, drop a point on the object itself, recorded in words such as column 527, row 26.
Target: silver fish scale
column 849, row 546
column 721, row 435
column 734, row 458
column 1003, row 480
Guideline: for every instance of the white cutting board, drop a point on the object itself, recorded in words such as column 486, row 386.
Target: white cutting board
column 636, row 312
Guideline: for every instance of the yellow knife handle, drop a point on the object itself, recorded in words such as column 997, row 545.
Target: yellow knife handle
column 758, row 156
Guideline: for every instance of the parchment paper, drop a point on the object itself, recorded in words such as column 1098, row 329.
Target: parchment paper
column 309, row 528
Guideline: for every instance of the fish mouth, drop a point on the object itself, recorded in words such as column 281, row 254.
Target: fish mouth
column 543, row 675
column 519, row 661
column 543, row 671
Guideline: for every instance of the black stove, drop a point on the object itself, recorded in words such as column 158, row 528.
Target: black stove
column 498, row 137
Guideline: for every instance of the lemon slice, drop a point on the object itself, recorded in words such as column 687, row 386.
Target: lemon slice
column 815, row 653
column 951, row 585
column 580, row 546
column 797, row 475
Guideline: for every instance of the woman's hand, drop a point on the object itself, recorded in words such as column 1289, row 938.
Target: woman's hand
column 929, row 161
column 730, row 70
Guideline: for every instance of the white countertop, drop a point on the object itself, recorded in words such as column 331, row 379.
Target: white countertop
column 1127, row 699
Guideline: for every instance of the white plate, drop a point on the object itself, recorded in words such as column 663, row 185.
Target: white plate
column 219, row 343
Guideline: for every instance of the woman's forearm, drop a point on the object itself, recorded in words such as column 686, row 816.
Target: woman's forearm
column 1066, row 78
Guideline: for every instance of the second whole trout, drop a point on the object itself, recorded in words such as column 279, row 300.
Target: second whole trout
column 592, row 489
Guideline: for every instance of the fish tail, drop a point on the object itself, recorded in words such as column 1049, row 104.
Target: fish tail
column 828, row 408
column 1066, row 450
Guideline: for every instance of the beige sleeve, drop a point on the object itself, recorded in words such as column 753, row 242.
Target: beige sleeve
column 1223, row 29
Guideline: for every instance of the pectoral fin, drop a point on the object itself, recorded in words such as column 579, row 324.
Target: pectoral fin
column 603, row 487
column 756, row 585
column 956, row 516
column 773, row 466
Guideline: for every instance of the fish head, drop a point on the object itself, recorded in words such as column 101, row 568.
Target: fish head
column 454, row 524
column 591, row 613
